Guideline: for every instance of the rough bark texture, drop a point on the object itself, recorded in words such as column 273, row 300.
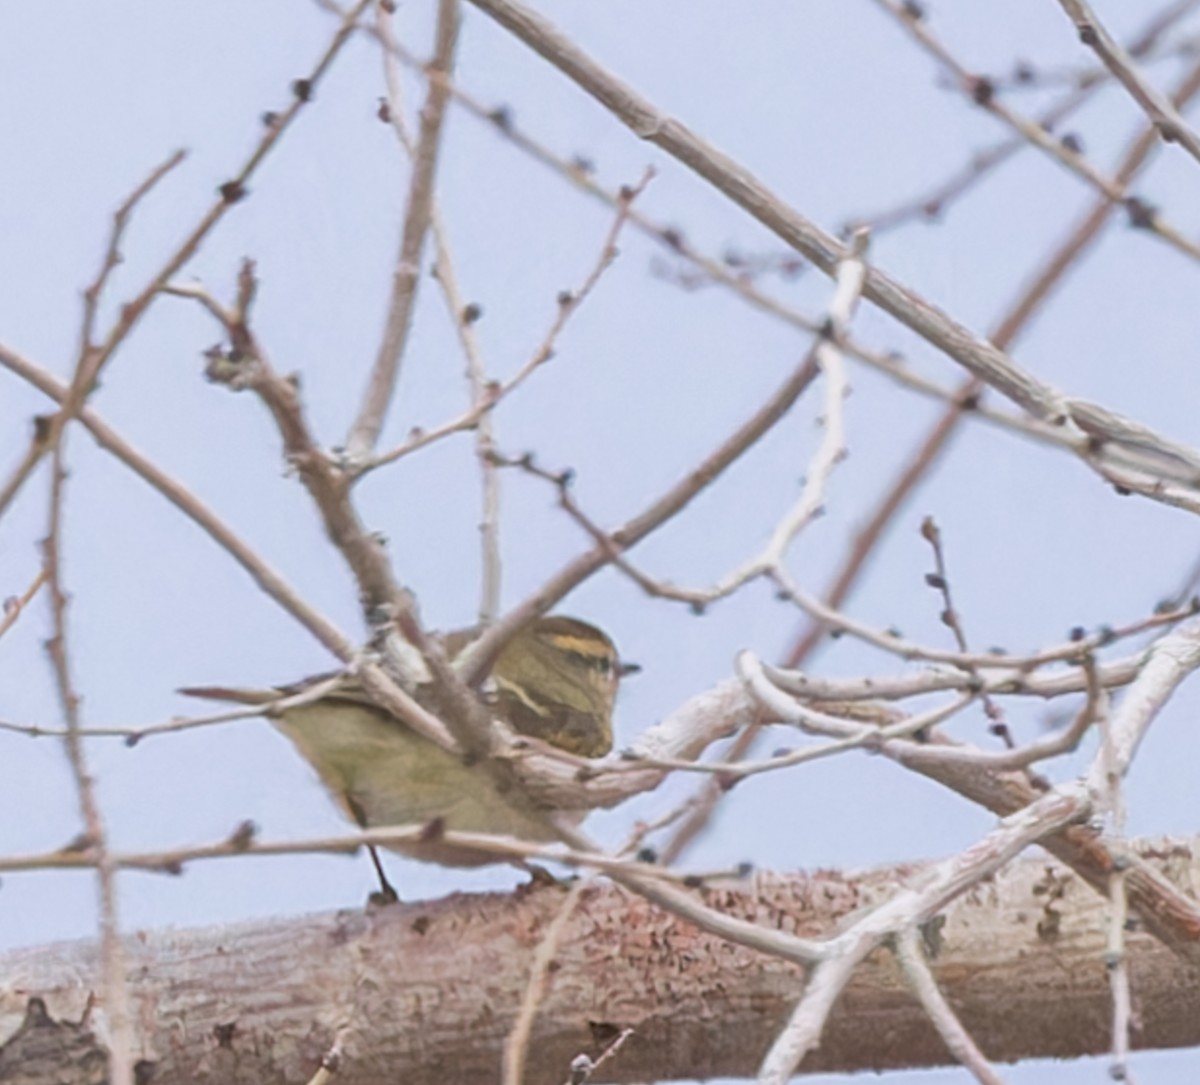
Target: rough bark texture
column 427, row 993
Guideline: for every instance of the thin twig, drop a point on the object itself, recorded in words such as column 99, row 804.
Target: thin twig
column 116, row 993
column 826, row 353
column 14, row 606
column 891, row 365
column 649, row 519
column 959, row 1043
column 268, row 579
column 482, row 391
column 952, row 619
column 378, row 394
column 231, row 192
column 983, row 94
column 1163, row 115
column 516, row 1046
column 569, row 303
column 39, row 444
column 908, row 908
column 981, row 358
column 1083, row 86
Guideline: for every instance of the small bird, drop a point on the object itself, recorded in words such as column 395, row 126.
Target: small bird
column 555, row 680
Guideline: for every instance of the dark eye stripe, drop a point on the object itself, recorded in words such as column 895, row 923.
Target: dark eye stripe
column 602, row 663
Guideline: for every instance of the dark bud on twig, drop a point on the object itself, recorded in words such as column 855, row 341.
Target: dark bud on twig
column 981, row 89
column 1142, row 214
column 433, row 830
column 502, row 118
column 243, row 836
column 302, row 89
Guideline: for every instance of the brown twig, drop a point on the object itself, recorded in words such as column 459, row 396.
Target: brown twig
column 271, row 582
column 939, row 580
column 569, row 303
column 39, row 445
column 231, row 192
column 1066, row 153
column 516, row 1046
column 94, row 838
column 653, row 516
column 463, row 317
column 15, row 605
column 501, row 121
column 377, row 396
column 1084, row 85
column 982, row 359
column 1162, row 113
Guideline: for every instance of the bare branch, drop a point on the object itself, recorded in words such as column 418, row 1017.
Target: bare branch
column 14, row 606
column 1164, row 116
column 958, row 1040
column 980, row 90
column 979, row 357
column 378, row 395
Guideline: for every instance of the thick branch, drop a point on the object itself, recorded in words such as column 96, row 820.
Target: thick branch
column 427, row 993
